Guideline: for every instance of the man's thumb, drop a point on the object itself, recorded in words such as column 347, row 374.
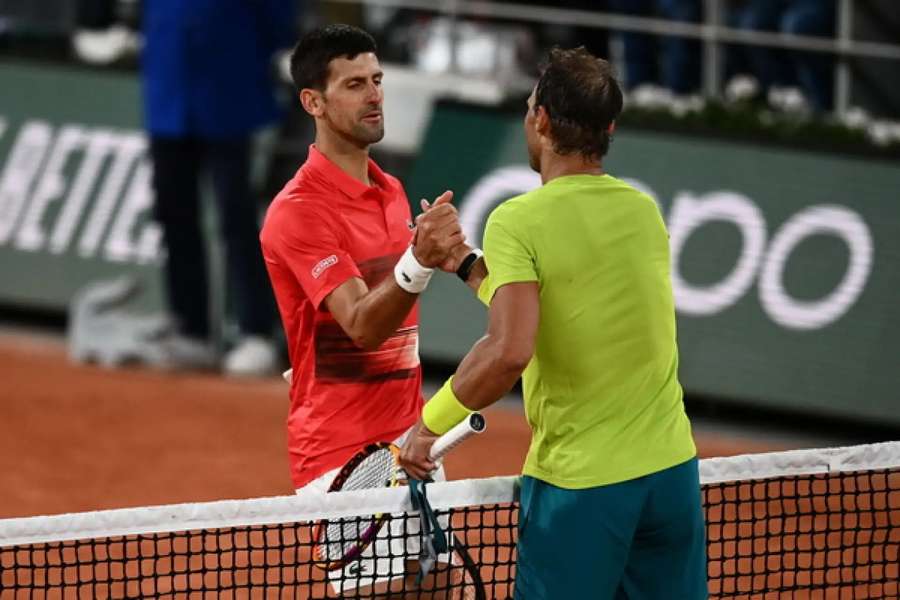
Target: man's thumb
column 444, row 198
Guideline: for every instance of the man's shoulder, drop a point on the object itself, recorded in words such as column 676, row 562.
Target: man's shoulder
column 297, row 203
column 627, row 189
column 516, row 209
column 308, row 181
column 306, row 191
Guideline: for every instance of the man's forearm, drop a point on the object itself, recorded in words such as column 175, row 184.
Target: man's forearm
column 495, row 362
column 486, row 374
column 379, row 313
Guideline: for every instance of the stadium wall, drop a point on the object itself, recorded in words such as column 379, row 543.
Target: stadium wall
column 785, row 262
column 75, row 190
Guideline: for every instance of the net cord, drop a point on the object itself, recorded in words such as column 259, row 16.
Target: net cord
column 446, row 495
column 867, row 457
column 243, row 513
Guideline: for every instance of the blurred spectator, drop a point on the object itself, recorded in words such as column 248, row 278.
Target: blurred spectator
column 207, row 85
column 96, row 14
column 669, row 61
column 105, row 31
column 504, row 48
column 790, row 79
column 548, row 35
column 595, row 41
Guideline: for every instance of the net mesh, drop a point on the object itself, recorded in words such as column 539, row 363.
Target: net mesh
column 826, row 535
column 810, row 524
column 252, row 562
column 342, row 539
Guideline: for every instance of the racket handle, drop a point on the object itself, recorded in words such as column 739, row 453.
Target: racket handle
column 468, row 427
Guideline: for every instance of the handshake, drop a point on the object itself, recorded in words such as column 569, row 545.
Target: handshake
column 438, row 243
column 438, row 240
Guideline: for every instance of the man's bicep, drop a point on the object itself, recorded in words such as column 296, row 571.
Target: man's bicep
column 514, row 316
column 508, row 258
column 341, row 302
column 315, row 256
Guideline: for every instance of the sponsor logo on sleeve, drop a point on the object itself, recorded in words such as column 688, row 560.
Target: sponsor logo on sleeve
column 324, row 264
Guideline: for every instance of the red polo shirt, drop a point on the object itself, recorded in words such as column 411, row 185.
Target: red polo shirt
column 323, row 228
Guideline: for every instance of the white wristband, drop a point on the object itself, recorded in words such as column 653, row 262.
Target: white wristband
column 410, row 275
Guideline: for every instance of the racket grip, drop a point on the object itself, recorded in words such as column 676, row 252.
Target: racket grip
column 468, row 427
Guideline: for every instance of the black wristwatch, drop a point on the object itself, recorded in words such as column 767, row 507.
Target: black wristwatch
column 465, row 267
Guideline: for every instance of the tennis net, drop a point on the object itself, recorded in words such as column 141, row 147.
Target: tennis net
column 800, row 524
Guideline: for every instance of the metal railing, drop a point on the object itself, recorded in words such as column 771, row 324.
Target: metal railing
column 710, row 32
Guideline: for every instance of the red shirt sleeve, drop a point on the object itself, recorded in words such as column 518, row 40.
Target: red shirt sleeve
column 310, row 244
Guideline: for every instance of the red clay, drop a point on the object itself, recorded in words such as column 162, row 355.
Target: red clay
column 76, row 438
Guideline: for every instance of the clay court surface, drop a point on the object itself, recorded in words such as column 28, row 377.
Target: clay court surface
column 76, row 438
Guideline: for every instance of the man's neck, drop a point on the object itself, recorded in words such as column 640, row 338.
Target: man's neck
column 350, row 158
column 555, row 165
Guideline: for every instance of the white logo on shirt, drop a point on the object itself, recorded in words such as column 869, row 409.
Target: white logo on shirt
column 323, row 264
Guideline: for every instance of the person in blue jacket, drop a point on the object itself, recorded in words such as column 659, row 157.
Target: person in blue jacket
column 811, row 72
column 208, row 85
column 670, row 61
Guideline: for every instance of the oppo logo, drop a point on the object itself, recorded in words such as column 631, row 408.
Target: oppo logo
column 766, row 259
column 762, row 258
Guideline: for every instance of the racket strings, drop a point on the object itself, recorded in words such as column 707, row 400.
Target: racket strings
column 344, row 538
column 377, row 470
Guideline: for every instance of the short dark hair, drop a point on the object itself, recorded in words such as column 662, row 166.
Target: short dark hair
column 582, row 98
column 311, row 55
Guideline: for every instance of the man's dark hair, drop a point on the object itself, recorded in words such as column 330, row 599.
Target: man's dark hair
column 582, row 98
column 311, row 55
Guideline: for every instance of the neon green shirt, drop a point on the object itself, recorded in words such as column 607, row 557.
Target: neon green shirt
column 601, row 391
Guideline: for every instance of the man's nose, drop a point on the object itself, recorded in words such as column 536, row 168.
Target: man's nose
column 375, row 95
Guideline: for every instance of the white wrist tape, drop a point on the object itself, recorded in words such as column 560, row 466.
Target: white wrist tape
column 410, row 275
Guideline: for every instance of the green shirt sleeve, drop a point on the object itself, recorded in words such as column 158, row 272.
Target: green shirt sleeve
column 508, row 254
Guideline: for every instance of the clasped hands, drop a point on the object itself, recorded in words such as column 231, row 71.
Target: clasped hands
column 438, row 240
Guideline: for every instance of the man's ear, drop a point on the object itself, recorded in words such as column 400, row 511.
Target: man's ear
column 542, row 121
column 313, row 101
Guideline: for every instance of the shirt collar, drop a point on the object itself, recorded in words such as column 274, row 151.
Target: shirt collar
column 350, row 186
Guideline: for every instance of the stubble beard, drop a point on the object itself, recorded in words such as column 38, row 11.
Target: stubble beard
column 534, row 159
column 366, row 134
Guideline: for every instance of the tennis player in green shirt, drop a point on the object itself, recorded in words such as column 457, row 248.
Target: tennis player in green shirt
column 576, row 277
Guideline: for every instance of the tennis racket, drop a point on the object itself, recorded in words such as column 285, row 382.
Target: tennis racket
column 338, row 542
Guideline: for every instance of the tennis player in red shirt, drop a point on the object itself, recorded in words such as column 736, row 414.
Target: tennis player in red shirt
column 347, row 264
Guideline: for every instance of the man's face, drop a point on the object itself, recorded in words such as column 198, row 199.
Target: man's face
column 532, row 138
column 353, row 99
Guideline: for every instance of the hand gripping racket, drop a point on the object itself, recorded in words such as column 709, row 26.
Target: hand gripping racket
column 339, row 542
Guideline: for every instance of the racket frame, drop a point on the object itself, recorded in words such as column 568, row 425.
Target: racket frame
column 378, row 519
column 471, row 425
